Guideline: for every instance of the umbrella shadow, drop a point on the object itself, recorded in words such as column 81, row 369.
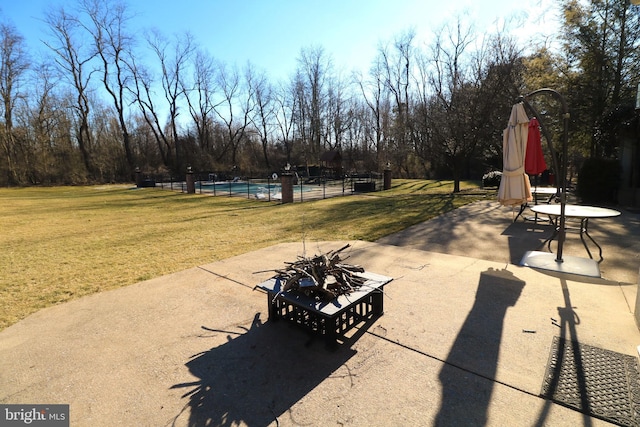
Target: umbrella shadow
column 468, row 375
column 569, row 320
column 257, row 375
column 524, row 236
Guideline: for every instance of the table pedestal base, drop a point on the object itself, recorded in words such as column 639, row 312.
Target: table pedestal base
column 569, row 264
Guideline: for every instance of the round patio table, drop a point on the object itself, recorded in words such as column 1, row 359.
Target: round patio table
column 548, row 192
column 582, row 213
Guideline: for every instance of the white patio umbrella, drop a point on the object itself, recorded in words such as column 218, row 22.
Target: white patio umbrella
column 515, row 188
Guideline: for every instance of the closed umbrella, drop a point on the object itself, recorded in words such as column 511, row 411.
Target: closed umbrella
column 515, row 188
column 534, row 163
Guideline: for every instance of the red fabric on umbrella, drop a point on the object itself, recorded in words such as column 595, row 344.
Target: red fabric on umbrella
column 534, row 163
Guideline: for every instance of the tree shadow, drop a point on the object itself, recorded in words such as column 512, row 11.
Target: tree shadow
column 257, row 375
column 468, row 375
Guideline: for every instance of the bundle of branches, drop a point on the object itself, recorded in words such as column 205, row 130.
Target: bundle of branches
column 324, row 277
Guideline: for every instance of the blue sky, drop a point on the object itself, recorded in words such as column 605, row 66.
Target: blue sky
column 271, row 33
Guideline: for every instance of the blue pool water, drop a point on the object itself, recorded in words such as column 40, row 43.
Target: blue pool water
column 247, row 187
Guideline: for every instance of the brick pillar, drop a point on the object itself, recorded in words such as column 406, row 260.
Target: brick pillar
column 287, row 187
column 191, row 185
column 387, row 179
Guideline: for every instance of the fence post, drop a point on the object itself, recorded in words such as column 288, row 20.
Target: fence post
column 269, row 187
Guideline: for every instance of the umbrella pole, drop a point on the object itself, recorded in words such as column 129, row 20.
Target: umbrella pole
column 563, row 196
column 535, row 197
column 563, row 173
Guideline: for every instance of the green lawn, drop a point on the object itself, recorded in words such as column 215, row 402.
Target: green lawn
column 61, row 243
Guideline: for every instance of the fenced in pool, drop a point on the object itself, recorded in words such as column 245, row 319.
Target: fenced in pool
column 269, row 189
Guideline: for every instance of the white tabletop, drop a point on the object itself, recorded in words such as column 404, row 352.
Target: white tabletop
column 576, row 211
column 544, row 190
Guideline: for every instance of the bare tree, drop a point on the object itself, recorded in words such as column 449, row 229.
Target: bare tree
column 285, row 111
column 375, row 96
column 200, row 97
column 359, row 137
column 14, row 64
column 313, row 73
column 420, row 119
column 396, row 64
column 173, row 66
column 339, row 113
column 45, row 123
column 73, row 59
column 144, row 96
column 264, row 111
column 474, row 81
column 236, row 98
column 113, row 45
column 452, row 86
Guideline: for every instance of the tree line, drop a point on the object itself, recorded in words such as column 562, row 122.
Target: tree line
column 105, row 101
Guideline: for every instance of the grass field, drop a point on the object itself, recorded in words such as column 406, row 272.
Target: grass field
column 62, row 243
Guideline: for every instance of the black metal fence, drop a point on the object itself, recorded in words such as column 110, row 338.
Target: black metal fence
column 269, row 188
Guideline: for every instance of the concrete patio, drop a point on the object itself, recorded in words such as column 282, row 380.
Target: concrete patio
column 464, row 340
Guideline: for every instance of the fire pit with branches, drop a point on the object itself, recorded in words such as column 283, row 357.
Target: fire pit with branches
column 324, row 294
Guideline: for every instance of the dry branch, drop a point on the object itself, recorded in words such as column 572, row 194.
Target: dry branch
column 324, row 277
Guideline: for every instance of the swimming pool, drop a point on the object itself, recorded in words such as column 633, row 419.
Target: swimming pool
column 258, row 190
column 265, row 189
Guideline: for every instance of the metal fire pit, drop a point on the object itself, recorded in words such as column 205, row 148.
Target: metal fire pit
column 329, row 319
